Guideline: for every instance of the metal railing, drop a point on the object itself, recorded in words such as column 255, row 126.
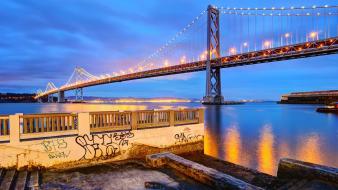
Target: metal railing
column 35, row 123
column 29, row 126
column 151, row 118
column 109, row 121
column 100, row 121
column 4, row 125
column 188, row 116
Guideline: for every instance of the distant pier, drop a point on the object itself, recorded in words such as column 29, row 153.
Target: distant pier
column 314, row 97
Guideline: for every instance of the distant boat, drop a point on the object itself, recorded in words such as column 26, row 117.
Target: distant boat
column 331, row 108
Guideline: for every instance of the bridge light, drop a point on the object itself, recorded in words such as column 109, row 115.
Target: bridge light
column 314, row 35
column 183, row 60
column 166, row 63
column 267, row 44
column 286, row 35
column 232, row 51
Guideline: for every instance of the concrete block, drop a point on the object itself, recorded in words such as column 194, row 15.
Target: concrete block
column 14, row 124
column 295, row 169
column 206, row 175
column 83, row 123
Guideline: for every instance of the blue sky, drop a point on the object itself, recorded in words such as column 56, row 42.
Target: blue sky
column 43, row 41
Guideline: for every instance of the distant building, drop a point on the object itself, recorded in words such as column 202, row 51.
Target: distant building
column 315, row 97
column 13, row 98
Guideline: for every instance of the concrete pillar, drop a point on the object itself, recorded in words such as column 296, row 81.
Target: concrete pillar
column 83, row 123
column 14, row 127
column 61, row 96
column 201, row 115
column 134, row 115
column 50, row 98
column 172, row 118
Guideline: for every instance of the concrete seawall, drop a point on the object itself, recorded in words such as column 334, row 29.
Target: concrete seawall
column 111, row 146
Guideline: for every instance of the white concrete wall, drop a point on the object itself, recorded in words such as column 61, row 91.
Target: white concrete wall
column 47, row 152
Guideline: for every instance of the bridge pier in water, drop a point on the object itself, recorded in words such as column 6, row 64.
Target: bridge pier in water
column 50, row 98
column 213, row 93
column 61, row 96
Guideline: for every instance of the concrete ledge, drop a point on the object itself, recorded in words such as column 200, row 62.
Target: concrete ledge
column 50, row 134
column 289, row 168
column 209, row 176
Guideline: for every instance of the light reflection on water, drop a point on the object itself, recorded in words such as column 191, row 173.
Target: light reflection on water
column 257, row 135
column 254, row 135
column 265, row 150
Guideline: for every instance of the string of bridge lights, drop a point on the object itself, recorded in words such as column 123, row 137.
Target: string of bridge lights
column 280, row 8
column 279, row 14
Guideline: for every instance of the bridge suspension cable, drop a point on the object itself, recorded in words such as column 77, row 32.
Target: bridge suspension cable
column 50, row 86
column 79, row 75
column 252, row 29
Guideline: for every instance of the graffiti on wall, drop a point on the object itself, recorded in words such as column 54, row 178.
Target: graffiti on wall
column 187, row 136
column 103, row 146
column 56, row 148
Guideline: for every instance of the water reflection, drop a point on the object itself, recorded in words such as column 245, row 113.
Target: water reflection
column 212, row 131
column 232, row 145
column 254, row 135
column 309, row 149
column 265, row 150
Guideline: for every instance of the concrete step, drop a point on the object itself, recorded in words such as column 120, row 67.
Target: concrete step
column 293, row 184
column 9, row 180
column 21, row 181
column 33, row 183
column 2, row 174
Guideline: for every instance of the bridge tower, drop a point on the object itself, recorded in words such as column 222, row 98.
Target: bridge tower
column 213, row 94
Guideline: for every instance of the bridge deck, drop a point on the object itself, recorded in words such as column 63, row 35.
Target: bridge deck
column 296, row 51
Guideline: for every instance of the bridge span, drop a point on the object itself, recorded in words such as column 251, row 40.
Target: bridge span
column 214, row 61
column 302, row 50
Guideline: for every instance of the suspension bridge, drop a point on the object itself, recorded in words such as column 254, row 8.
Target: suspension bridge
column 223, row 37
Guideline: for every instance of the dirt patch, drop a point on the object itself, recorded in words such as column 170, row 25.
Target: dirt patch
column 127, row 175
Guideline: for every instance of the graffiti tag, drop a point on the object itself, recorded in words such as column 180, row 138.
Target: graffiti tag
column 103, row 145
column 186, row 137
column 56, row 148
